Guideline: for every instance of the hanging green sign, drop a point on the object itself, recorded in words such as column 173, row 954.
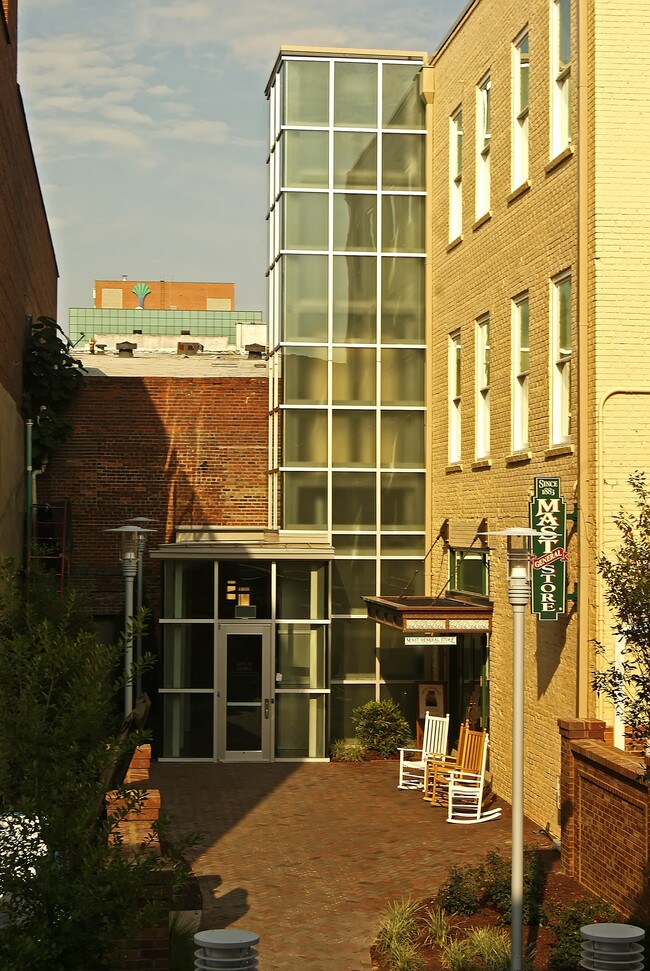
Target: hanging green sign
column 548, row 552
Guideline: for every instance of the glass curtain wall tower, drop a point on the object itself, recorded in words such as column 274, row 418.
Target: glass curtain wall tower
column 347, row 345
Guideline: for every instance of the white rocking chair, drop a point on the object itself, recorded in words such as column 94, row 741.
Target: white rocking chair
column 466, row 793
column 412, row 761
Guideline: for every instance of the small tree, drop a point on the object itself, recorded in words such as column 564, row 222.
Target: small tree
column 51, row 378
column 626, row 682
column 71, row 901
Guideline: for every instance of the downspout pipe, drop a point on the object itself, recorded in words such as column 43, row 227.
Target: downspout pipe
column 587, row 528
column 29, row 432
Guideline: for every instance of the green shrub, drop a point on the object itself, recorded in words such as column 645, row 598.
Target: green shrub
column 484, row 949
column 398, row 927
column 380, row 725
column 497, row 880
column 566, row 921
column 462, row 892
column 348, row 750
column 437, row 924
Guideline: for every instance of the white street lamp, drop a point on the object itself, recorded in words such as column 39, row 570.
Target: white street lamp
column 141, row 522
column 519, row 598
column 130, row 543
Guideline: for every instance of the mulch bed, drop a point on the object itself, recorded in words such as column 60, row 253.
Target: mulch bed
column 559, row 891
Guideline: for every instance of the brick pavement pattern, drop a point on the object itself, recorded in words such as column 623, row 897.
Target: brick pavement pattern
column 307, row 855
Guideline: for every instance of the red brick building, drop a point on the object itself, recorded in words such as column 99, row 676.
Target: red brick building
column 28, row 277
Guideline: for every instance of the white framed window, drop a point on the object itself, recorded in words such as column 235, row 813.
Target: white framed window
column 561, row 359
column 520, row 76
column 483, row 387
column 483, row 139
column 560, row 75
column 456, row 174
column 520, row 371
column 454, row 398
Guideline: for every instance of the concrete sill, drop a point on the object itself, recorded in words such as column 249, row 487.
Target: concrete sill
column 557, row 450
column 482, row 220
column 518, row 192
column 454, row 243
column 454, row 467
column 481, row 464
column 517, row 457
column 559, row 159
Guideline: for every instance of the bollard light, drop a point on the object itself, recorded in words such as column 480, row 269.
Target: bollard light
column 225, row 950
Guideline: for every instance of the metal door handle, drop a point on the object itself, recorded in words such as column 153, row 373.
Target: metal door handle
column 267, row 708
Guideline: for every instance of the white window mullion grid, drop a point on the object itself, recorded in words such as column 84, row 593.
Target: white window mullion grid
column 456, row 175
column 483, row 140
column 520, row 372
column 561, row 359
column 482, row 387
column 454, row 398
column 520, row 77
column 560, row 76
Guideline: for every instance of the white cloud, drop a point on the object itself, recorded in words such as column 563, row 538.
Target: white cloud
column 159, row 90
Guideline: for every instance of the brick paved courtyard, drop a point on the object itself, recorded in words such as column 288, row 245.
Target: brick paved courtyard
column 307, row 855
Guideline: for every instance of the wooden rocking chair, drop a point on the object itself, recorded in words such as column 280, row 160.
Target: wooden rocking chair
column 468, row 759
column 413, row 761
column 465, row 793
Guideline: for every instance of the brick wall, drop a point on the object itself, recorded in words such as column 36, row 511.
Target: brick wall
column 167, row 295
column 605, row 797
column 528, row 238
column 182, row 451
column 28, row 277
column 151, row 949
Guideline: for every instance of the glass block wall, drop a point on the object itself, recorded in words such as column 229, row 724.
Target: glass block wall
column 346, row 307
column 89, row 322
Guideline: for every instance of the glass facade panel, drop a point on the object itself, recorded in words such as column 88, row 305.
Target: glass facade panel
column 406, row 696
column 304, row 438
column 354, row 502
column 305, row 92
column 300, row 726
column 345, row 698
column 355, row 299
column 353, row 439
column 304, row 157
column 244, row 590
column 304, row 311
column 352, row 580
column 402, row 301
column 189, row 589
column 401, row 544
column 354, row 375
column 402, row 439
column 403, row 162
column 402, row 577
column 398, row 661
column 355, row 95
column 402, row 106
column 355, row 222
column 188, row 726
column 188, row 655
column 305, row 500
column 301, row 589
column 353, row 648
column 304, row 378
column 402, row 500
column 402, row 376
column 402, row 224
column 355, row 160
column 304, row 220
column 300, row 656
column 355, row 544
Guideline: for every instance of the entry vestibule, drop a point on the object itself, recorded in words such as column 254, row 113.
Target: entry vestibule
column 244, row 645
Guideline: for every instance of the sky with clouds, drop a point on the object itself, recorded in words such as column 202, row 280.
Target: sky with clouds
column 149, row 125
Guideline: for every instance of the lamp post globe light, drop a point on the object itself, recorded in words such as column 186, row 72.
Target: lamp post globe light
column 130, row 536
column 519, row 597
column 142, row 522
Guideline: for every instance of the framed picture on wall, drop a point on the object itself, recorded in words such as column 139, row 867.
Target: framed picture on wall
column 431, row 698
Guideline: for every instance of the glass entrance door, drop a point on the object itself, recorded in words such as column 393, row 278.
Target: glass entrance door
column 244, row 700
